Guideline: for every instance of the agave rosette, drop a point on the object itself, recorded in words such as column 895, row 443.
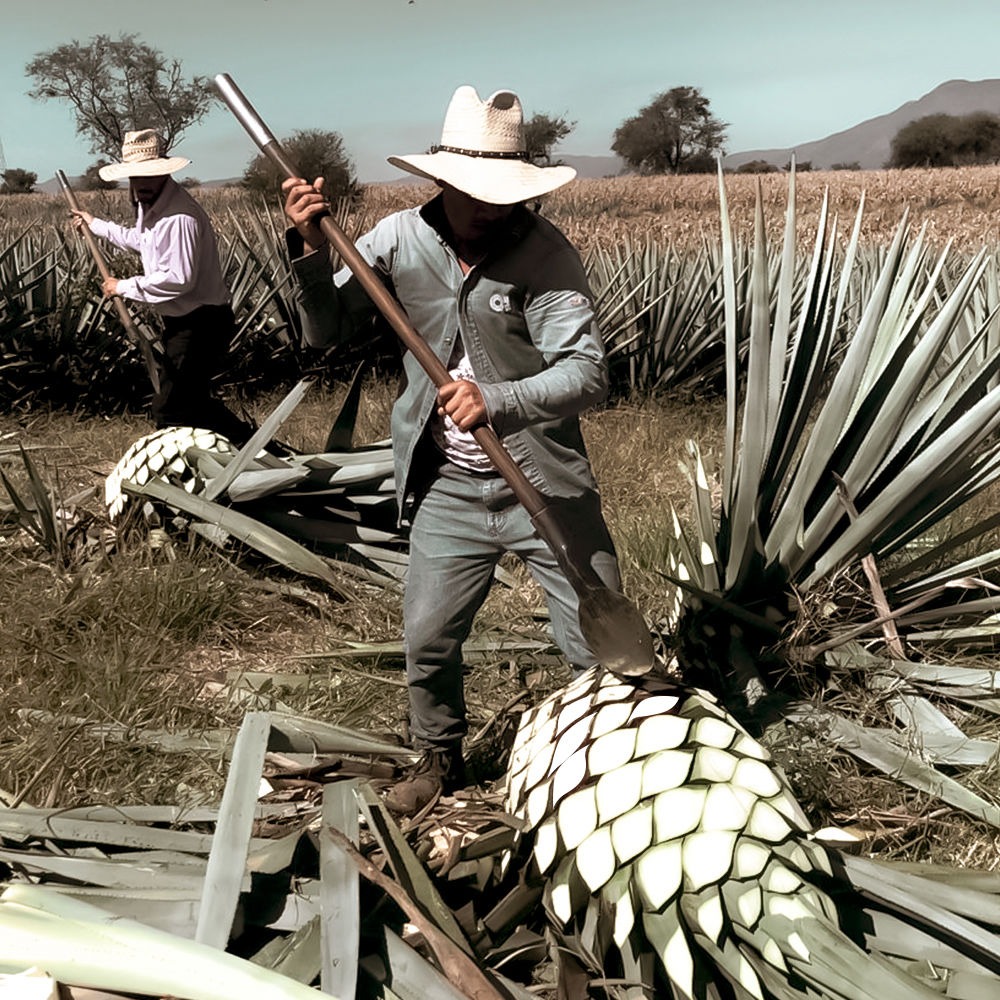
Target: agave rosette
column 842, row 452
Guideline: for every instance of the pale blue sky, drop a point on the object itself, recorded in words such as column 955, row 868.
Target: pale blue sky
column 381, row 72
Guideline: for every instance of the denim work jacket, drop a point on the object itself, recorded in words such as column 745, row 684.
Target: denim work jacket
column 526, row 320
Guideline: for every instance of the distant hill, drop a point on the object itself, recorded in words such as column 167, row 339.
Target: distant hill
column 868, row 144
column 51, row 186
column 593, row 166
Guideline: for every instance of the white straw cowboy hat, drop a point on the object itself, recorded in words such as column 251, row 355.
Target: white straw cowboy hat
column 483, row 153
column 142, row 156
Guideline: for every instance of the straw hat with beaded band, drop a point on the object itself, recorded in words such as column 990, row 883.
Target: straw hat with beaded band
column 483, row 152
column 142, row 156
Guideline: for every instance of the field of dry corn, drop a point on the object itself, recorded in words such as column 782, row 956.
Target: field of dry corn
column 960, row 204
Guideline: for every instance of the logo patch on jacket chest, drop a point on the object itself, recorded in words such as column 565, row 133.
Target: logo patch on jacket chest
column 500, row 303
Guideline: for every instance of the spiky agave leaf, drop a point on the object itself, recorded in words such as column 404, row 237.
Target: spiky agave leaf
column 660, row 825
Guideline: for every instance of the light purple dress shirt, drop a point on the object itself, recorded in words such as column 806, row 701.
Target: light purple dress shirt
column 180, row 258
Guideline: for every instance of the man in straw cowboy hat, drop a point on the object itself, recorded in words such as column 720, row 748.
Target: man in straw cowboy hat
column 502, row 299
column 182, row 281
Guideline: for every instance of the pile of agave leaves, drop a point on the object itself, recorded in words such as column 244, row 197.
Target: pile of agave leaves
column 830, row 559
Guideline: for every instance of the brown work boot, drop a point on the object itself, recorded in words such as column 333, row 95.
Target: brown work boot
column 439, row 771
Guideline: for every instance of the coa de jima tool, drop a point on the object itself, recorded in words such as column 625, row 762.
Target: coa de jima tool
column 140, row 338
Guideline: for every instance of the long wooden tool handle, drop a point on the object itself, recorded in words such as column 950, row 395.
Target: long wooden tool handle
column 141, row 340
column 485, row 436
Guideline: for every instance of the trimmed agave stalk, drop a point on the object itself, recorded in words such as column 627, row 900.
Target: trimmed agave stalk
column 83, row 945
column 663, row 830
column 304, row 512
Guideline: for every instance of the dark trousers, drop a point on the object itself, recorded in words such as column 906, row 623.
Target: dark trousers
column 195, row 348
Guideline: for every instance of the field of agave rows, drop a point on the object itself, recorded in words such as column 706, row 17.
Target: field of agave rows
column 856, row 356
column 820, row 355
column 651, row 247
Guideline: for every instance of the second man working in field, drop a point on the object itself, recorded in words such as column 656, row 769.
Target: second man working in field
column 181, row 280
column 502, row 299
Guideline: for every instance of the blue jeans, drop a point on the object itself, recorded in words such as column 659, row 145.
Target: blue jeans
column 461, row 527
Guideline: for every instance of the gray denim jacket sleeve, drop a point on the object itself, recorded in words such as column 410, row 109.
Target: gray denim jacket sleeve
column 332, row 306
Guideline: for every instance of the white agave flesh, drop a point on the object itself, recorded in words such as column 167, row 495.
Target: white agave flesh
column 817, row 858
column 533, row 724
column 209, row 441
column 778, row 878
column 611, row 690
column 658, row 874
column 797, row 945
column 767, row 824
column 749, row 905
column 632, row 833
column 749, row 859
column 746, row 746
column 713, row 733
column 709, row 916
column 756, row 777
column 772, row 955
column 538, row 767
column 542, row 737
column 546, row 844
column 744, row 971
column 595, row 858
column 619, row 791
column 664, row 770
column 617, row 894
column 577, row 817
column 537, row 805
column 790, row 907
column 798, row 859
column 707, row 858
column 572, row 712
column 611, row 751
column 678, row 811
column 660, row 732
column 515, row 790
column 561, row 886
column 726, row 808
column 713, row 765
column 665, row 933
column 579, row 685
column 570, row 776
column 571, row 741
column 657, row 704
column 609, row 718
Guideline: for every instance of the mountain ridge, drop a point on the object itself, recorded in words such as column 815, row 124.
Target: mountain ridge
column 869, row 143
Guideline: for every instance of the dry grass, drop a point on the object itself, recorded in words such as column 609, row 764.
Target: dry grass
column 148, row 642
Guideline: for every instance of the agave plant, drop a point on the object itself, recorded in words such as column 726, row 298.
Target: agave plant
column 676, row 862
column 325, row 515
column 838, row 461
column 60, row 341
